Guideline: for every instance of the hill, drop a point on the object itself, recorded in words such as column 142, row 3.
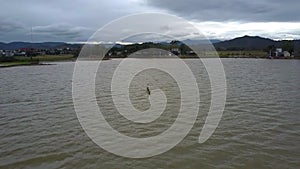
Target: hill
column 247, row 43
column 44, row 45
column 200, row 42
column 241, row 43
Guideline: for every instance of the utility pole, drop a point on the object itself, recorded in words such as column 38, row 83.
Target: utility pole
column 31, row 40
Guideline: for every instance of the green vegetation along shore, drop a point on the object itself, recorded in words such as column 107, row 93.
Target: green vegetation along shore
column 38, row 60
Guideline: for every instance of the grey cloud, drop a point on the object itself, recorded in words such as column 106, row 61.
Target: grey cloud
column 81, row 18
column 9, row 26
column 90, row 14
column 232, row 10
column 60, row 30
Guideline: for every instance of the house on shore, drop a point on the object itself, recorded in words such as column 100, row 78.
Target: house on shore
column 7, row 53
column 278, row 53
column 176, row 51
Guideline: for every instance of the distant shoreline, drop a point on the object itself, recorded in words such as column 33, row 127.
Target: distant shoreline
column 38, row 61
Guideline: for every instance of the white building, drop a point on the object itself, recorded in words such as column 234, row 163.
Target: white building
column 8, row 53
column 278, row 52
column 286, row 54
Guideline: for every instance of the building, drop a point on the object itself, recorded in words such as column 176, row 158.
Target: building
column 176, row 51
column 286, row 54
column 278, row 53
column 20, row 53
column 8, row 53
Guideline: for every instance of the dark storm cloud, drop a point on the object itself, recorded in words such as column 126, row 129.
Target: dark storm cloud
column 232, row 10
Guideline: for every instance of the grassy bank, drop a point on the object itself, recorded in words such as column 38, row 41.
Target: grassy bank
column 228, row 54
column 48, row 58
column 26, row 61
column 11, row 64
column 242, row 54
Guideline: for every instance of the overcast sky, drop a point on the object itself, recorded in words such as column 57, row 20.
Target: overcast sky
column 77, row 20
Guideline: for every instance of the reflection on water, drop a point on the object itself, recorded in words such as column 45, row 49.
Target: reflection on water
column 259, row 128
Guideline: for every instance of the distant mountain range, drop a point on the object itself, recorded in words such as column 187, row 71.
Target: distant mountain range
column 241, row 43
column 249, row 43
column 200, row 42
column 44, row 45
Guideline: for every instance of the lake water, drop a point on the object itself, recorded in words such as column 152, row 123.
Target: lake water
column 259, row 128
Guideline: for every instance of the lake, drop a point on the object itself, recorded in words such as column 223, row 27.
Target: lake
column 259, row 127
